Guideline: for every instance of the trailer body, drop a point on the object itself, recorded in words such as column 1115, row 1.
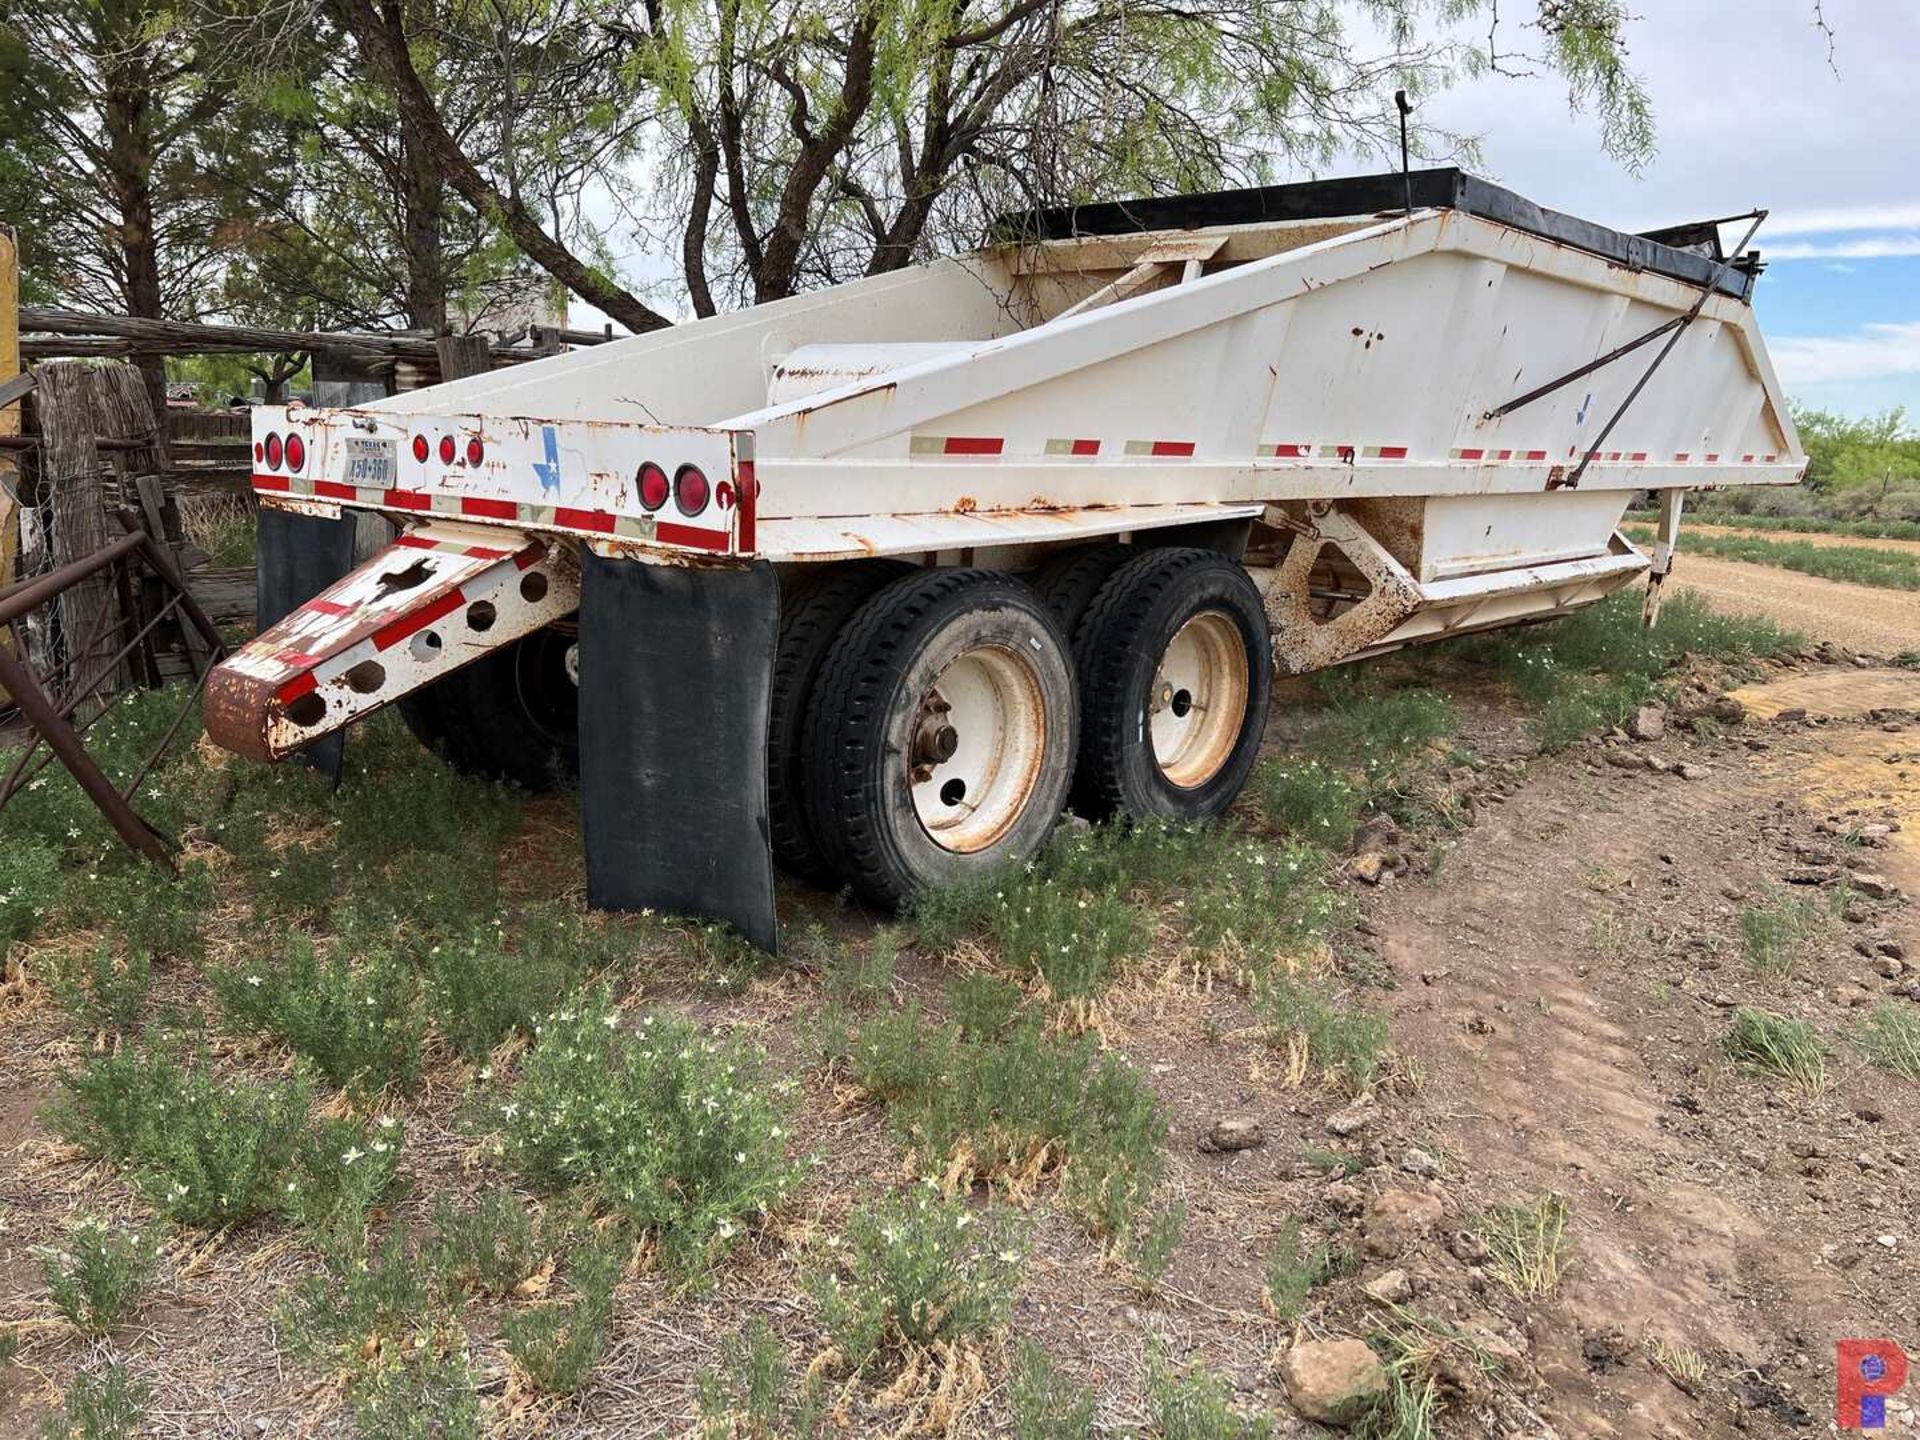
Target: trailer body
column 1306, row 376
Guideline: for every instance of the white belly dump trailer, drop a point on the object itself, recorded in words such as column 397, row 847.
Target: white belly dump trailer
column 871, row 582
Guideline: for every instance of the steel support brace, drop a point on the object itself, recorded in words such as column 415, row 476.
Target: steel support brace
column 1666, row 537
column 676, row 670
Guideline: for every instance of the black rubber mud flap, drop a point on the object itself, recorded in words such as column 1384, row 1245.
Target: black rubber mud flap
column 676, row 667
column 297, row 557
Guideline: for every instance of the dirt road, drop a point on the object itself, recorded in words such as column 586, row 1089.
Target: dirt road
column 1861, row 617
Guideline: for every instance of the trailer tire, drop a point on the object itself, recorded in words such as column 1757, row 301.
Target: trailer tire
column 941, row 734
column 1068, row 582
column 1175, row 679
column 512, row 715
column 814, row 606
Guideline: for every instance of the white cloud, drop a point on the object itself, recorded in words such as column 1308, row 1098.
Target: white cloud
column 1878, row 247
column 1871, row 353
column 1842, row 218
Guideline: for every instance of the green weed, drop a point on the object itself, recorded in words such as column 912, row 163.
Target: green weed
column 108, row 1406
column 339, row 1171
column 1313, row 800
column 1198, row 1405
column 426, row 1393
column 556, row 1346
column 1294, row 1268
column 1789, row 1048
column 1154, row 1246
column 360, row 1024
column 100, row 992
column 679, row 1131
column 361, row 1305
column 982, row 1005
column 153, row 913
column 746, row 1394
column 98, row 1279
column 497, row 1245
column 1046, row 1405
column 918, row 1270
column 30, row 886
column 483, row 984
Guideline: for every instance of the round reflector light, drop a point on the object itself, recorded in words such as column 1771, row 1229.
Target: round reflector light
column 476, row 452
column 259, row 451
column 273, row 450
column 296, row 452
column 690, row 491
column 420, row 450
column 654, row 489
column 723, row 495
column 446, row 449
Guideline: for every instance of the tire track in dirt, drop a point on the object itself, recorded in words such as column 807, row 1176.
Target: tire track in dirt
column 1552, row 999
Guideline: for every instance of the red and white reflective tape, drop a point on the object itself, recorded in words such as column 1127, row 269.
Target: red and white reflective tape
column 957, row 445
column 480, row 507
column 1081, row 448
column 1161, row 449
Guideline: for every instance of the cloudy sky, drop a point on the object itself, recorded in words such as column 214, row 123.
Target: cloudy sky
column 1751, row 112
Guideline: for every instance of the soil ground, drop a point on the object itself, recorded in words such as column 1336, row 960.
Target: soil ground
column 1559, row 981
column 1860, row 617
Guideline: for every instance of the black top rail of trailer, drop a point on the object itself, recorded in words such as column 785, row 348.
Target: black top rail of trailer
column 1689, row 253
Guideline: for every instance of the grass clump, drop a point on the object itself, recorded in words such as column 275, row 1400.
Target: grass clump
column 1789, row 1048
column 99, row 991
column 152, row 912
column 1198, row 1405
column 556, row 1346
column 1313, row 800
column 1890, row 1036
column 427, row 1394
column 1855, row 564
column 98, row 1279
column 108, row 1406
column 982, row 1005
column 361, row 1024
column 917, row 1271
column 747, row 1394
column 1345, row 1043
column 340, row 1170
column 1154, row 1245
column 1016, row 1107
column 1682, row 1364
column 1775, row 933
column 678, row 1131
column 1527, row 1245
column 498, row 1245
column 1046, row 1405
column 207, row 1153
column 1294, row 1268
column 482, row 986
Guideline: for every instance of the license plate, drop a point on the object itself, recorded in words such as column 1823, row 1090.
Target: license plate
column 371, row 463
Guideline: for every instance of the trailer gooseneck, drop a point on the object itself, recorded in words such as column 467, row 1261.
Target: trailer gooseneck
column 871, row 582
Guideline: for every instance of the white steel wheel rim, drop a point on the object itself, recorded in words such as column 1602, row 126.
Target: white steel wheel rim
column 1199, row 700
column 976, row 751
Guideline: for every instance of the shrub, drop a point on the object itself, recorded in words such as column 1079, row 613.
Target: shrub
column 679, row 1131
column 426, row 1393
column 109, row 1406
column 1073, row 939
column 481, row 988
column 1198, row 1406
column 916, row 1271
column 557, row 1346
column 360, row 1306
column 746, row 1394
column 1789, row 1048
column 497, row 1245
column 97, row 1281
column 852, row 977
column 29, row 887
column 1890, row 1036
column 206, row 1153
column 99, row 992
column 361, row 1025
column 1346, row 1043
column 1046, row 1405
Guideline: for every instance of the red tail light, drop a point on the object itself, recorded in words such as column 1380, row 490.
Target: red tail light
column 690, row 491
column 296, row 452
column 273, row 450
column 420, row 450
column 476, row 452
column 259, row 451
column 653, row 486
column 446, row 449
column 723, row 495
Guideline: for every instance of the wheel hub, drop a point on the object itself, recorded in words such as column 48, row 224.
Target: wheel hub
column 1199, row 699
column 975, row 749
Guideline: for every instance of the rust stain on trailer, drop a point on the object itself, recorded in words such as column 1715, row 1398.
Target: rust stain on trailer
column 965, row 505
